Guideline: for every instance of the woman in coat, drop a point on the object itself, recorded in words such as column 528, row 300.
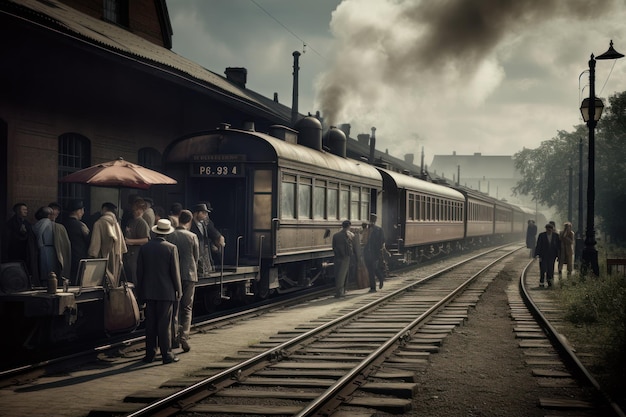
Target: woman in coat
column 566, row 255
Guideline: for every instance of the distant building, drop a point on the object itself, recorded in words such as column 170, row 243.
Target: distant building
column 491, row 174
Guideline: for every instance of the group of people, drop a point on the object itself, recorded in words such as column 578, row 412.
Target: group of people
column 162, row 255
column 549, row 247
column 49, row 245
column 167, row 269
column 351, row 248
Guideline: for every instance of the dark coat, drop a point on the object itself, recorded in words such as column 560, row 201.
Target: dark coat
column 343, row 244
column 531, row 233
column 158, row 271
column 548, row 251
column 78, row 234
column 375, row 241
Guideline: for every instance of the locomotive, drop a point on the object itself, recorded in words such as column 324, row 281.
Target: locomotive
column 277, row 198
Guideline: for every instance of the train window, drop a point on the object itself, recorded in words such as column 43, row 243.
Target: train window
column 411, row 208
column 344, row 202
column 422, row 208
column 262, row 211
column 365, row 203
column 263, row 181
column 319, row 200
column 332, row 200
column 428, row 209
column 355, row 194
column 304, row 197
column 288, row 197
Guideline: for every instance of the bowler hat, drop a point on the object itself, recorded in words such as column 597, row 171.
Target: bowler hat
column 202, row 207
column 75, row 205
column 163, row 227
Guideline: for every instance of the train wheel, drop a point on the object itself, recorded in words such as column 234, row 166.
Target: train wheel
column 238, row 294
column 211, row 300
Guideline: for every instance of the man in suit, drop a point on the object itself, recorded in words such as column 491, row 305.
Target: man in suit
column 547, row 250
column 372, row 253
column 343, row 248
column 159, row 286
column 188, row 255
column 208, row 237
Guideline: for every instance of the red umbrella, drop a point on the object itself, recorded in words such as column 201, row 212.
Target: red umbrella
column 118, row 173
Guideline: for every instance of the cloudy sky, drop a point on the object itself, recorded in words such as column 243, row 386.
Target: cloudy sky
column 464, row 76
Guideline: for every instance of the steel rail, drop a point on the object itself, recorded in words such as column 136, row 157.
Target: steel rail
column 189, row 396
column 562, row 346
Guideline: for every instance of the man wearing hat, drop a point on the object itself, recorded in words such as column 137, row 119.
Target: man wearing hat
column 78, row 233
column 343, row 248
column 372, row 252
column 159, row 286
column 208, row 237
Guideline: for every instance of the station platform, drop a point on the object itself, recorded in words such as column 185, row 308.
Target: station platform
column 74, row 393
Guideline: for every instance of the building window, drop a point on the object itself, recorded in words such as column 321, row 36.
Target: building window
column 116, row 11
column 74, row 155
column 150, row 158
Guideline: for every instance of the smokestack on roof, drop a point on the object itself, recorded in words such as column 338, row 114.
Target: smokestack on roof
column 373, row 146
column 294, row 99
column 237, row 75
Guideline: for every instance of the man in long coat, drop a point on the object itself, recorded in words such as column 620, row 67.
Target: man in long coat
column 343, row 248
column 107, row 241
column 159, row 286
column 373, row 255
column 78, row 232
column 547, row 249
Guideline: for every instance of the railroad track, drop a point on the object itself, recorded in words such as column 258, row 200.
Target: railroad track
column 553, row 361
column 363, row 359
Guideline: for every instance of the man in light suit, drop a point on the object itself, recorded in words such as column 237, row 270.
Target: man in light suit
column 188, row 255
column 159, row 286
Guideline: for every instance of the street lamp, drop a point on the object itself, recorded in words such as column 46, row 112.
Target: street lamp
column 591, row 116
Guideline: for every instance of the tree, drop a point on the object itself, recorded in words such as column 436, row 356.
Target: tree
column 545, row 170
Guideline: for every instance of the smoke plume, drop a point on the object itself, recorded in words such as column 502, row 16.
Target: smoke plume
column 412, row 49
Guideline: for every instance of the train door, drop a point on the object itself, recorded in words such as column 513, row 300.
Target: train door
column 227, row 199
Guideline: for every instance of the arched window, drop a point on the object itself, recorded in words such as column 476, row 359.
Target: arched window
column 149, row 158
column 74, row 155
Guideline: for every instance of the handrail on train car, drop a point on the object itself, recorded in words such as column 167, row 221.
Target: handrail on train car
column 239, row 238
column 222, row 294
column 261, row 239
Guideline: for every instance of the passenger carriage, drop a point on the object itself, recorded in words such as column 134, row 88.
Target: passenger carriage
column 277, row 198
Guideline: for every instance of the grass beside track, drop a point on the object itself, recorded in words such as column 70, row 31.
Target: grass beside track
column 595, row 324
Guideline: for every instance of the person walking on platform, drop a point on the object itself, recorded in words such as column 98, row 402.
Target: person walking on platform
column 547, row 250
column 343, row 248
column 531, row 237
column 107, row 241
column 209, row 237
column 188, row 254
column 566, row 256
column 159, row 286
column 373, row 255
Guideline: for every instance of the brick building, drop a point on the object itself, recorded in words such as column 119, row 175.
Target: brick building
column 88, row 81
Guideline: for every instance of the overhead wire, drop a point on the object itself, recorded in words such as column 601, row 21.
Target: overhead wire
column 304, row 43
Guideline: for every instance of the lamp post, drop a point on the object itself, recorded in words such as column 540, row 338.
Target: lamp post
column 591, row 110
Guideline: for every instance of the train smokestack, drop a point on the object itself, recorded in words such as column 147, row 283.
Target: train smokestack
column 294, row 98
column 372, row 146
column 336, row 140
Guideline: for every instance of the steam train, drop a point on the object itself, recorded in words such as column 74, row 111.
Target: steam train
column 277, row 198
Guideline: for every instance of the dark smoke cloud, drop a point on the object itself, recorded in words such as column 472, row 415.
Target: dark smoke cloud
column 455, row 35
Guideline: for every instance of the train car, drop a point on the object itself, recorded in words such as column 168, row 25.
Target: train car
column 421, row 219
column 277, row 198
